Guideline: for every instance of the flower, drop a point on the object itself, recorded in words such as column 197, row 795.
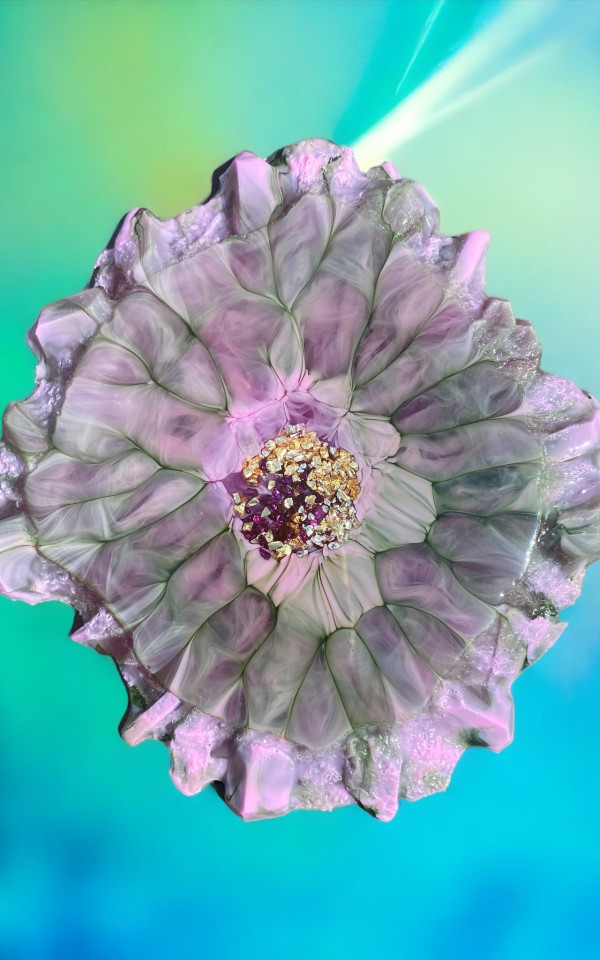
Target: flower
column 304, row 482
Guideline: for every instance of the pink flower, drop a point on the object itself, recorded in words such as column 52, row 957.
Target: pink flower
column 305, row 483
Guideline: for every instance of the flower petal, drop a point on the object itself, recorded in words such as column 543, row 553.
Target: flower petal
column 415, row 575
column 130, row 572
column 236, row 325
column 275, row 672
column 441, row 348
column 239, row 335
column 406, row 298
column 213, row 662
column 172, row 355
column 357, row 679
column 477, row 393
column 60, row 480
column 330, row 590
column 450, row 341
column 63, row 328
column 286, row 354
column 410, row 681
column 107, row 518
column 109, row 363
column 282, row 579
column 96, row 424
column 475, row 446
column 486, row 555
column 344, row 587
column 432, row 639
column 250, row 263
column 195, row 590
column 318, row 717
column 334, row 309
column 303, row 407
column 401, row 509
column 233, row 707
column 513, row 487
column 372, row 438
column 298, row 242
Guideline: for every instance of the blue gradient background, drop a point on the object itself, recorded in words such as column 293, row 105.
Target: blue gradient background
column 110, row 105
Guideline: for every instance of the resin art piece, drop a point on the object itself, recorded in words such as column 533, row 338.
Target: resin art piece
column 304, row 482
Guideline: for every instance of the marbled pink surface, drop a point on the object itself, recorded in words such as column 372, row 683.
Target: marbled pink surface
column 302, row 291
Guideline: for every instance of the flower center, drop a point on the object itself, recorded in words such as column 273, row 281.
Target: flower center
column 299, row 496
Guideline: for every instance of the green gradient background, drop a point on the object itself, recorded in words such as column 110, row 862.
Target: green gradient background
column 110, row 105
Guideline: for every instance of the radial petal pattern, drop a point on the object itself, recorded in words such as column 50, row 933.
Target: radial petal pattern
column 305, row 483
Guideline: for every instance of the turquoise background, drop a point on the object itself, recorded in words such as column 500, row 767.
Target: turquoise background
column 110, row 105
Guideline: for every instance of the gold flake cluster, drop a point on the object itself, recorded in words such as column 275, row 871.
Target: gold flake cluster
column 309, row 498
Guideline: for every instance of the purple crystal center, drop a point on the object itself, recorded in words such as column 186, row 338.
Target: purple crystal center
column 301, row 497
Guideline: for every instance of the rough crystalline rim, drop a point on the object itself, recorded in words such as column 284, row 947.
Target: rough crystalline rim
column 262, row 774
